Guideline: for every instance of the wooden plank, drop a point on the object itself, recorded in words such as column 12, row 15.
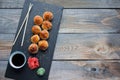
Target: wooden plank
column 4, row 54
column 13, row 3
column 88, row 46
column 73, row 20
column 85, row 70
column 90, row 21
column 66, row 3
column 86, row 3
column 79, row 46
column 6, row 37
column 5, row 49
column 76, row 70
column 9, row 20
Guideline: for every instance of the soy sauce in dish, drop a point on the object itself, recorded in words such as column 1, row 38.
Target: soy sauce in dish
column 18, row 60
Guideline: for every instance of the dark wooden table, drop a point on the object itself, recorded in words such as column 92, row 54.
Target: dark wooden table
column 88, row 44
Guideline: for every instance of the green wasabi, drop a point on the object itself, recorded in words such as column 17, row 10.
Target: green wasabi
column 41, row 71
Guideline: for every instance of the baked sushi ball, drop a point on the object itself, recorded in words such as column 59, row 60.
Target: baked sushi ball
column 33, row 48
column 47, row 25
column 36, row 29
column 43, row 45
column 35, row 38
column 44, row 34
column 38, row 20
column 48, row 15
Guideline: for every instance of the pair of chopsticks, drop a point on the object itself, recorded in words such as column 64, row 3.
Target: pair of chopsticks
column 25, row 21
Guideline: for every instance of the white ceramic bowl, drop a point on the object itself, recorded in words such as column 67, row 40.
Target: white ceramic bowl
column 12, row 55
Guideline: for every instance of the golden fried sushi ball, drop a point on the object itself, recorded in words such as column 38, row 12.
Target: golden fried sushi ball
column 48, row 15
column 36, row 29
column 44, row 34
column 33, row 48
column 35, row 38
column 38, row 20
column 47, row 25
column 43, row 45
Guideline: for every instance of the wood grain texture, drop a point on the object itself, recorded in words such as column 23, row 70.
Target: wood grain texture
column 78, row 46
column 73, row 21
column 66, row 3
column 9, row 19
column 90, row 21
column 85, row 70
column 5, row 49
column 88, row 46
column 6, row 37
column 13, row 3
column 86, row 3
column 76, row 70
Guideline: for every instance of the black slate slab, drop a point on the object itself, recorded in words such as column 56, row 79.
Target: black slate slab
column 45, row 57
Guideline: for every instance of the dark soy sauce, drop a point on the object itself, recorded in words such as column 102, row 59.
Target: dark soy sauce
column 18, row 60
